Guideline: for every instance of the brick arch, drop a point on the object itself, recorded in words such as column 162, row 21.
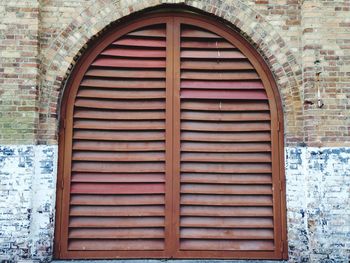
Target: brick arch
column 69, row 44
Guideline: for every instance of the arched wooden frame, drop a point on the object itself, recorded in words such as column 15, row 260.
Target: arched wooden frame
column 66, row 122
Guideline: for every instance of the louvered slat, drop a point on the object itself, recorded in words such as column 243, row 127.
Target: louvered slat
column 115, row 245
column 226, row 222
column 117, row 211
column 117, row 177
column 115, row 222
column 88, row 199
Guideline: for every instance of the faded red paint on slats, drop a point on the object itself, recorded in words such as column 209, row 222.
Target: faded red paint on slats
column 138, row 53
column 207, row 43
column 110, row 188
column 223, row 94
column 149, row 32
column 192, row 84
column 195, row 32
column 211, row 54
column 128, row 63
column 140, row 42
column 118, row 178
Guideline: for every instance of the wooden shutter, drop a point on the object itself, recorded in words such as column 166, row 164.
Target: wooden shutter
column 225, row 175
column 118, row 163
column 170, row 147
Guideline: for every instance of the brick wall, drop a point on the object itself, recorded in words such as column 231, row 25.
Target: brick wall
column 325, row 48
column 69, row 41
column 19, row 71
column 299, row 40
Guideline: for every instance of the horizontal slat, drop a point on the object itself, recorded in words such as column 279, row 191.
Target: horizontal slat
column 129, row 63
column 226, row 157
column 194, row 32
column 225, row 147
column 225, row 127
column 215, row 65
column 224, row 105
column 117, row 178
column 130, row 167
column 219, row 75
column 121, row 104
column 124, row 73
column 118, row 157
column 226, row 178
column 222, row 222
column 121, row 94
column 140, row 42
column 229, row 245
column 149, row 32
column 221, row 211
column 107, row 245
column 138, row 53
column 119, row 125
column 206, row 44
column 118, row 146
column 242, row 234
column 212, row 54
column 226, row 137
column 119, row 115
column 113, row 233
column 225, row 167
column 224, row 116
column 226, row 189
column 119, row 135
column 86, row 199
column 226, row 200
column 105, row 222
column 124, row 84
column 151, row 210
column 223, row 94
column 216, row 84
column 120, row 188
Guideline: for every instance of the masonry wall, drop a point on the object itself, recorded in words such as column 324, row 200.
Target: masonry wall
column 306, row 44
column 19, row 74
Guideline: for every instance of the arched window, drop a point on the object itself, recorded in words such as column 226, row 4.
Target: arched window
column 171, row 146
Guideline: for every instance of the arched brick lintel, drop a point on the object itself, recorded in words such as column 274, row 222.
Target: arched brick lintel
column 64, row 50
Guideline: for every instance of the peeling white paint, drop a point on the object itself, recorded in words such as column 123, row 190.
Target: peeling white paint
column 318, row 203
column 27, row 194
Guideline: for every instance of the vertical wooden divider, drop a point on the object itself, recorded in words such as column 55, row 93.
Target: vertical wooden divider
column 169, row 139
column 176, row 135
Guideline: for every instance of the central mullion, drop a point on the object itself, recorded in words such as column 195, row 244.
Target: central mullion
column 176, row 134
column 169, row 145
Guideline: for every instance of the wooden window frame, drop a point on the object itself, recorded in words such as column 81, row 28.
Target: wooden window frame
column 65, row 131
